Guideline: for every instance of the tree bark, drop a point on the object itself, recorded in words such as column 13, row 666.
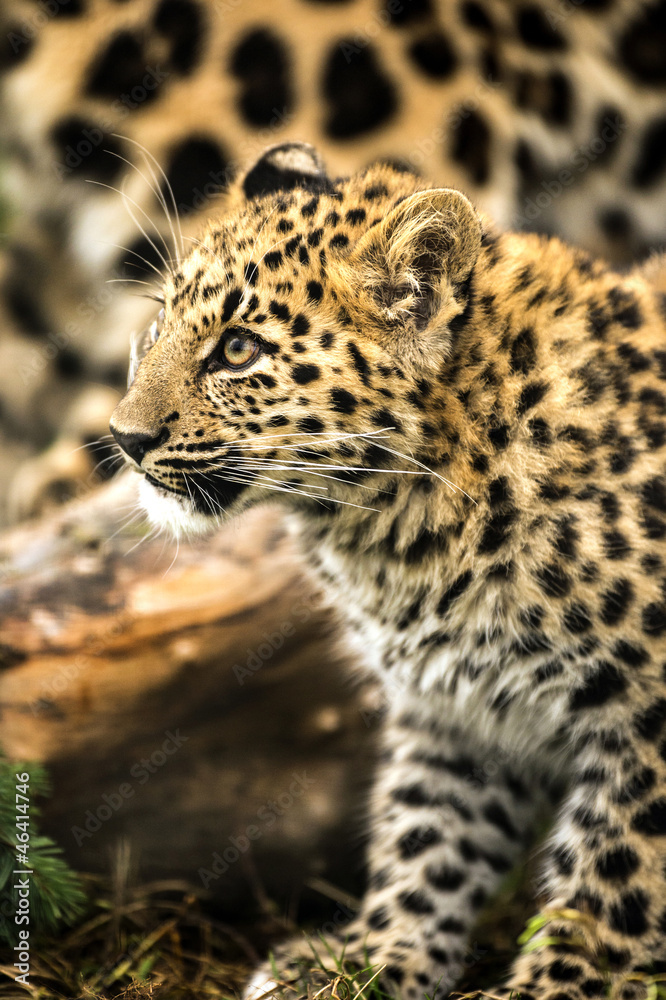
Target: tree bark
column 190, row 700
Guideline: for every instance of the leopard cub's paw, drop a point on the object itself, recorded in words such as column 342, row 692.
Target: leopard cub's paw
column 321, row 966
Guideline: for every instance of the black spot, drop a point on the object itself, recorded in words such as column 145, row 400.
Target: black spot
column 449, row 925
column 559, row 109
column 16, row 44
column 231, row 303
column 197, row 166
column 181, row 22
column 355, row 216
column 476, row 16
column 403, row 14
column 654, row 619
column 651, row 820
column 418, row 840
column 273, row 260
column 564, row 860
column 536, row 31
column 375, row 192
column 631, row 654
column 359, row 362
column 499, row 491
column 497, row 531
column 415, row 902
column 563, row 972
column 577, row 618
column 425, row 542
column 445, row 878
column 553, row 580
column 303, row 374
column 378, row 919
column 593, row 988
column 615, row 223
column 470, row 145
column 628, row 915
column 359, row 95
column 343, row 401
column 651, row 162
column 310, row 425
column 523, row 352
column 566, row 539
column 627, row 312
column 637, row 787
column 653, row 493
column 499, row 436
column 314, row 290
column 300, row 325
column 119, row 68
column 616, row 545
column 261, row 61
column 433, row 55
column 649, row 723
column 532, row 394
column 496, row 814
column 605, row 682
column 70, row 366
column 457, row 588
column 619, row 862
column 642, row 47
column 615, row 602
column 339, row 241
column 84, row 150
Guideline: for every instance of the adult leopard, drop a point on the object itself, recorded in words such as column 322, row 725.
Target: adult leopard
column 550, row 115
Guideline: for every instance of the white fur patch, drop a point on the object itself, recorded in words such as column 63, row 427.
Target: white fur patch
column 166, row 510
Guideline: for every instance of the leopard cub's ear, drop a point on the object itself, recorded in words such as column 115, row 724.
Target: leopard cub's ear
column 416, row 262
column 284, row 167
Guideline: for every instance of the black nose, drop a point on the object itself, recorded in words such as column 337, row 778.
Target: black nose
column 137, row 446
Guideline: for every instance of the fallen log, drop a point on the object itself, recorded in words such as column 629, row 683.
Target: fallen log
column 187, row 700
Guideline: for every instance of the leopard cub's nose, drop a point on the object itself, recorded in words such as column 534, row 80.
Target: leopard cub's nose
column 137, row 446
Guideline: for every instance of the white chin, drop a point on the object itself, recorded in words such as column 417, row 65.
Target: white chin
column 166, row 510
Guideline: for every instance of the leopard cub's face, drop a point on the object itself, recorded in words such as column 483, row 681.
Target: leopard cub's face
column 292, row 342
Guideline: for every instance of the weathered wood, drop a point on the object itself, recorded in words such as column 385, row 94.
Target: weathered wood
column 180, row 699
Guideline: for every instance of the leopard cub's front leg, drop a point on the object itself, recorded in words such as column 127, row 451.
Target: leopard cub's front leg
column 441, row 842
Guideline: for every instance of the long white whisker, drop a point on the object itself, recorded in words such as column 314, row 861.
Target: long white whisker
column 158, row 165
column 279, row 489
column 130, row 201
column 155, row 189
column 134, row 253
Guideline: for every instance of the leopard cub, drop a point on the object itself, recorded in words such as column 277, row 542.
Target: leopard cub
column 471, row 430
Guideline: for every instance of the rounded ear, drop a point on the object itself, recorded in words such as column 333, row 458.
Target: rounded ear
column 284, row 167
column 421, row 255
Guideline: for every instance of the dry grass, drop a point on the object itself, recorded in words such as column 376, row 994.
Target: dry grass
column 158, row 941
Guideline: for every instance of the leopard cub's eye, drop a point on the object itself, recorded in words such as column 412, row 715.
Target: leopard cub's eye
column 237, row 350
column 140, row 344
column 155, row 328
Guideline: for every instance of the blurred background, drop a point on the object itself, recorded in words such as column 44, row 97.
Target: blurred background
column 207, row 749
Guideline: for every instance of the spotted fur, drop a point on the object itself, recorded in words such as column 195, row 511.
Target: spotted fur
column 551, row 115
column 486, row 414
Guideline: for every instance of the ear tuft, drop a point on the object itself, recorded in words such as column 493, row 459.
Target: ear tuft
column 285, row 167
column 418, row 259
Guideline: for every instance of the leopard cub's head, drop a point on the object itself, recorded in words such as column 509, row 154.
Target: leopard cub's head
column 295, row 340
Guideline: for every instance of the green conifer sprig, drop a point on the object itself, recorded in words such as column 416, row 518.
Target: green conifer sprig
column 56, row 895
